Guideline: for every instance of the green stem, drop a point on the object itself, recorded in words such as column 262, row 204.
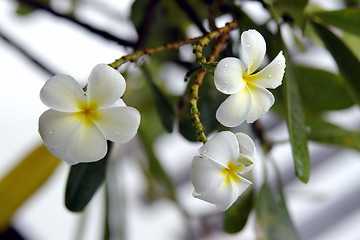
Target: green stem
column 195, row 113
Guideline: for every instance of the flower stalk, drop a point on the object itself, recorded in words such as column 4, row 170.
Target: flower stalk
column 202, row 41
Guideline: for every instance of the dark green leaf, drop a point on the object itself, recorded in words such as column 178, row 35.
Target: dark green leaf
column 272, row 219
column 163, row 106
column 24, row 9
column 291, row 10
column 325, row 132
column 348, row 64
column 346, row 19
column 296, row 123
column 321, row 90
column 84, row 179
column 237, row 215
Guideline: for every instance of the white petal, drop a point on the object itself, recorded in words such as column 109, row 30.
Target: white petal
column 87, row 144
column 56, row 128
column 254, row 48
column 246, row 144
column 228, row 75
column 261, row 101
column 206, row 174
column 225, row 195
column 118, row 124
column 62, row 93
column 106, row 85
column 237, row 189
column 235, row 109
column 221, row 148
column 271, row 76
column 63, row 154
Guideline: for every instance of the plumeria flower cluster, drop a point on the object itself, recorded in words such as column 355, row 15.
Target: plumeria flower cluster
column 215, row 173
column 79, row 123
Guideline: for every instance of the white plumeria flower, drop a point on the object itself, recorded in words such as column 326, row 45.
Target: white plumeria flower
column 215, row 172
column 249, row 99
column 78, row 125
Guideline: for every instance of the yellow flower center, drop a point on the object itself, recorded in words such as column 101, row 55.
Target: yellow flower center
column 88, row 113
column 230, row 172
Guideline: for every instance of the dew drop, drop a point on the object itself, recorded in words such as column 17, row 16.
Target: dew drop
column 278, row 62
column 256, row 59
column 248, row 45
column 51, row 132
column 269, row 75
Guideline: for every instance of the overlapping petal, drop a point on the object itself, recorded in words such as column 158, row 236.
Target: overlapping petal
column 118, row 124
column 246, row 144
column 271, row 76
column 261, row 101
column 106, row 85
column 228, row 75
column 56, row 128
column 62, row 93
column 254, row 49
column 206, row 175
column 235, row 109
column 221, row 148
column 87, row 144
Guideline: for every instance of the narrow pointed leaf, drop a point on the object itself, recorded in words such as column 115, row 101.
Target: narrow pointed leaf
column 22, row 181
column 346, row 19
column 296, row 124
column 163, row 106
column 272, row 219
column 321, row 90
column 235, row 218
column 348, row 64
column 83, row 181
column 325, row 132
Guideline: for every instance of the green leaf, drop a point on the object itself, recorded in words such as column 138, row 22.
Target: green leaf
column 83, row 181
column 321, row 90
column 24, row 9
column 237, row 215
column 291, row 8
column 272, row 218
column 24, row 180
column 346, row 19
column 163, row 106
column 325, row 132
column 347, row 62
column 296, row 123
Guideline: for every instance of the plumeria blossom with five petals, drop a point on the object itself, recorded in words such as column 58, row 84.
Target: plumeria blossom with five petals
column 79, row 123
column 215, row 173
column 249, row 99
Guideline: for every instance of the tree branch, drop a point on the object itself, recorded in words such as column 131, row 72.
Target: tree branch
column 26, row 54
column 106, row 35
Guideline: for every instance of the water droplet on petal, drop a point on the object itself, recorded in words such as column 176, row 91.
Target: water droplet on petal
column 51, row 132
column 278, row 62
column 248, row 45
column 256, row 59
column 269, row 75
